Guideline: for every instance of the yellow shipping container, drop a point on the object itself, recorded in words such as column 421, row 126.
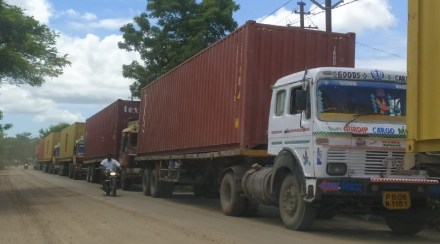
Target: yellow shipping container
column 49, row 142
column 68, row 137
column 423, row 100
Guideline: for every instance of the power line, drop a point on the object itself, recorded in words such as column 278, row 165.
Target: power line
column 276, row 10
column 295, row 21
column 380, row 50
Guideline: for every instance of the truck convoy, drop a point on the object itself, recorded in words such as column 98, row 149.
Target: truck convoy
column 324, row 138
column 70, row 151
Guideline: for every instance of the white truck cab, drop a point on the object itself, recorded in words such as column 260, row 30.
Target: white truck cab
column 338, row 135
column 351, row 122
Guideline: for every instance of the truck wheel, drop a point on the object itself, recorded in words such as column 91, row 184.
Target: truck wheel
column 74, row 174
column 70, row 174
column 406, row 222
column 156, row 188
column 92, row 174
column 125, row 182
column 230, row 200
column 146, row 182
column 88, row 174
column 296, row 213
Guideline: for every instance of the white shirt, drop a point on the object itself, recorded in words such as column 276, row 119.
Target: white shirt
column 110, row 164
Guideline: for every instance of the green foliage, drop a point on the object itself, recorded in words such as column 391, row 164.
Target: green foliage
column 20, row 148
column 27, row 49
column 3, row 127
column 53, row 128
column 182, row 28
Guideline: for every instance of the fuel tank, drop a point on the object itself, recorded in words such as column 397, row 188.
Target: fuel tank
column 256, row 185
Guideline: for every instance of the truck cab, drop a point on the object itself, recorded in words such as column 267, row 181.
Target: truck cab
column 344, row 132
column 130, row 172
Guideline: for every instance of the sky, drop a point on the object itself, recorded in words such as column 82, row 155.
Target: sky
column 89, row 32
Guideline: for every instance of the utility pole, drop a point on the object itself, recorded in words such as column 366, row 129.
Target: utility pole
column 328, row 12
column 301, row 13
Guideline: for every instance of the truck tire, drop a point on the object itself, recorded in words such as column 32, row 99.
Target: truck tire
column 159, row 188
column 146, row 182
column 61, row 170
column 75, row 174
column 230, row 200
column 88, row 174
column 296, row 213
column 125, row 182
column 156, row 188
column 70, row 174
column 92, row 174
column 406, row 222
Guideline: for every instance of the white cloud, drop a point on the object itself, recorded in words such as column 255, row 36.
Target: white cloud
column 18, row 100
column 386, row 64
column 356, row 17
column 41, row 10
column 94, row 77
column 72, row 14
column 95, row 74
column 109, row 24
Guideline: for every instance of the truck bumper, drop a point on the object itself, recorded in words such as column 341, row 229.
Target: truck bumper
column 378, row 193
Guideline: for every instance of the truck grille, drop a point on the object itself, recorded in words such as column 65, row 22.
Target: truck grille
column 363, row 163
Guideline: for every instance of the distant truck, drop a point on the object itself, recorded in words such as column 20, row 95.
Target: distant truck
column 49, row 147
column 103, row 134
column 69, row 152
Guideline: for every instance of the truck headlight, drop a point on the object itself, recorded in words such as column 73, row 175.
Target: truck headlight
column 336, row 169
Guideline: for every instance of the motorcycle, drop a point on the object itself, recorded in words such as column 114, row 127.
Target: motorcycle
column 25, row 166
column 110, row 183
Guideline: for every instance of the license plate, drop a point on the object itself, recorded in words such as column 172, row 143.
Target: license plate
column 396, row 199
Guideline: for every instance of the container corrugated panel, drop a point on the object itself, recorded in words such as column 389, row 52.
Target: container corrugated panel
column 68, row 137
column 49, row 143
column 40, row 150
column 423, row 84
column 104, row 129
column 219, row 99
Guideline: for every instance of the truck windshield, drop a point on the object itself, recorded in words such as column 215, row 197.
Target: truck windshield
column 343, row 100
column 79, row 149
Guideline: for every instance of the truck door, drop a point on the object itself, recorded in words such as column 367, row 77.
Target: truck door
column 289, row 128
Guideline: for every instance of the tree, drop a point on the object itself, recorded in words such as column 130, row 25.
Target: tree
column 183, row 28
column 20, row 148
column 27, row 49
column 53, row 128
column 3, row 127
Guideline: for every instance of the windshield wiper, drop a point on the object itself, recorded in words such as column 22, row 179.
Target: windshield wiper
column 356, row 116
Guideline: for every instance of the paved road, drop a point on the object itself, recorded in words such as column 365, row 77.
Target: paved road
column 36, row 207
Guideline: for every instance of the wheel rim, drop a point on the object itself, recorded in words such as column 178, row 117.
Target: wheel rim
column 289, row 201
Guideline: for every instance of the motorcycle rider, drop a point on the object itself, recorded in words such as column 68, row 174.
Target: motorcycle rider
column 108, row 164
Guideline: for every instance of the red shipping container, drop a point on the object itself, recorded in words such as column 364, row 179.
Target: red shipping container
column 40, row 150
column 104, row 129
column 219, row 99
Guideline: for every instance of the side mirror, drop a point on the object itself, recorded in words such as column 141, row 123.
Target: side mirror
column 300, row 100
